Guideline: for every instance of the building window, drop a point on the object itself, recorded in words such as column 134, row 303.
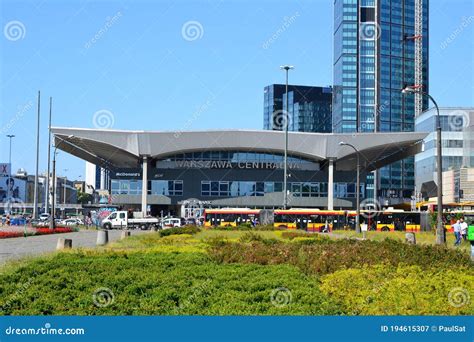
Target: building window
column 297, row 189
column 157, row 187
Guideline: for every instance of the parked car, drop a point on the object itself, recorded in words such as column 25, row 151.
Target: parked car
column 71, row 222
column 44, row 216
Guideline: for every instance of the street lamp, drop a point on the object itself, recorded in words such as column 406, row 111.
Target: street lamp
column 357, row 227
column 64, row 190
column 52, row 224
column 286, row 122
column 440, row 233
column 10, row 136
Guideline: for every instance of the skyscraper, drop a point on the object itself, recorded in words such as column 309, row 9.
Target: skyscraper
column 309, row 108
column 374, row 58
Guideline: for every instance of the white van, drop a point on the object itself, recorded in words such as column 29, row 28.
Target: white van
column 171, row 222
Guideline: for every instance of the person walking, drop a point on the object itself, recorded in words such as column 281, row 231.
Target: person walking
column 470, row 238
column 463, row 229
column 457, row 232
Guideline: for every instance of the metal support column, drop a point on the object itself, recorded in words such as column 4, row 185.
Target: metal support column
column 144, row 185
column 331, row 184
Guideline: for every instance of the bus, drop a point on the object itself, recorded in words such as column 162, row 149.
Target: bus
column 315, row 220
column 318, row 220
column 391, row 220
column 229, row 217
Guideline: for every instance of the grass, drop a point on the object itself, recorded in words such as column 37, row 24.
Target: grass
column 240, row 273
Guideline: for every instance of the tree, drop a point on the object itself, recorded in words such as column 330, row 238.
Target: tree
column 84, row 197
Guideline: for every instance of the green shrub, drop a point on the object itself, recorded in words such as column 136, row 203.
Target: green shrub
column 255, row 237
column 406, row 290
column 323, row 256
column 266, row 227
column 244, row 227
column 156, row 284
column 180, row 230
column 251, row 237
column 290, row 235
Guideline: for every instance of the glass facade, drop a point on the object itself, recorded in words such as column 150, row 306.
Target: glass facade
column 310, row 108
column 457, row 142
column 373, row 61
column 155, row 187
column 297, row 189
column 235, row 188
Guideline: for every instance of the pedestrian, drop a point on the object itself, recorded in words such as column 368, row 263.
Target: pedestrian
column 326, row 227
column 470, row 237
column 463, row 229
column 457, row 232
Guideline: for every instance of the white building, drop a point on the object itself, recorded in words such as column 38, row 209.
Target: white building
column 457, row 126
column 96, row 178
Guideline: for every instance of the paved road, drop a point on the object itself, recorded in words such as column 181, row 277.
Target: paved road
column 16, row 248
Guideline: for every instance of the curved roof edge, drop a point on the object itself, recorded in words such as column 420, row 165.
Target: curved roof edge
column 120, row 148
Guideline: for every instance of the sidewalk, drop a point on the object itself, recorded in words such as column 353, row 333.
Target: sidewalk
column 17, row 248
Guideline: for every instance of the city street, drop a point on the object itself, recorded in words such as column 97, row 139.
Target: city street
column 16, row 248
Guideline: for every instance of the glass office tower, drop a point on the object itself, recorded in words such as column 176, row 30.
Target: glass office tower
column 457, row 141
column 374, row 58
column 309, row 108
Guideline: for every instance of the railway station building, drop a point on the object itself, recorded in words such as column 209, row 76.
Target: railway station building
column 161, row 171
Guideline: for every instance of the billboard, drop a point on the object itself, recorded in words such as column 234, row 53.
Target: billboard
column 17, row 189
column 5, row 170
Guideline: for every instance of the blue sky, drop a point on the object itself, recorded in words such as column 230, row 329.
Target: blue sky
column 181, row 65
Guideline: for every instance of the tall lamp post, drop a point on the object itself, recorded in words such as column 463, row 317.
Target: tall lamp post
column 287, row 68
column 52, row 224
column 35, row 192
column 64, row 184
column 357, row 227
column 440, row 233
column 10, row 136
column 46, row 195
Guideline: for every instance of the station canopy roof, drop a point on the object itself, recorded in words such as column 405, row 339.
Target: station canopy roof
column 125, row 149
